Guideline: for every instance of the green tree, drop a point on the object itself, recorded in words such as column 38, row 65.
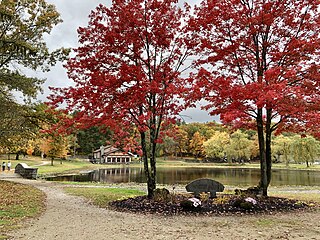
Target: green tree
column 215, row 147
column 18, row 126
column 22, row 27
column 92, row 138
column 240, row 146
column 305, row 149
column 23, row 23
column 281, row 146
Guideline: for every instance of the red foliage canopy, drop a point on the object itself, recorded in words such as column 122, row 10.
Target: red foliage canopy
column 127, row 71
column 259, row 55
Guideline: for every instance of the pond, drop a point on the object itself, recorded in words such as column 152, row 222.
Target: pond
column 227, row 176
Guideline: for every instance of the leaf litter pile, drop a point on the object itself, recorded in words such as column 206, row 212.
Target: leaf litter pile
column 18, row 201
column 182, row 204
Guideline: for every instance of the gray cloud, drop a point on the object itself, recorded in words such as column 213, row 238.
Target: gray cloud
column 74, row 14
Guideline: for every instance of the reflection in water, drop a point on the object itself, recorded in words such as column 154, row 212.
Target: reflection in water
column 118, row 175
column 227, row 176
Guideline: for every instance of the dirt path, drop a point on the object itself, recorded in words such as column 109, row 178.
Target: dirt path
column 69, row 217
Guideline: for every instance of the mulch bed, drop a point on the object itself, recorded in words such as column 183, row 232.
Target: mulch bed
column 222, row 205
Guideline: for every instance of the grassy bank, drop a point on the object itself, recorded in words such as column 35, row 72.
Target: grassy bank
column 102, row 196
column 72, row 166
column 18, row 202
column 177, row 162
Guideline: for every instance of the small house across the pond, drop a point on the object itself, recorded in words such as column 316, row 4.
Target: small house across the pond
column 110, row 154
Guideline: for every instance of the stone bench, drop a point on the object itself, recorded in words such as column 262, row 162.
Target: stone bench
column 25, row 171
column 205, row 185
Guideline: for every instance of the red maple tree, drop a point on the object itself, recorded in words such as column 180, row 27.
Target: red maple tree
column 127, row 72
column 260, row 66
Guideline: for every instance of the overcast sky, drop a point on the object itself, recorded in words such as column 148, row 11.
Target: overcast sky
column 74, row 14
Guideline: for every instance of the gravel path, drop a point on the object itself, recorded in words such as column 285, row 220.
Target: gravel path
column 68, row 217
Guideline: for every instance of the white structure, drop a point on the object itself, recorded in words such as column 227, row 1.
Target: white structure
column 109, row 154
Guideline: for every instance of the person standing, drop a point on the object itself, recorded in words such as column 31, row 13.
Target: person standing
column 3, row 166
column 9, row 166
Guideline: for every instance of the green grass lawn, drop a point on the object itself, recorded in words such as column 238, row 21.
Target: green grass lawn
column 67, row 166
column 102, row 196
column 306, row 194
column 17, row 202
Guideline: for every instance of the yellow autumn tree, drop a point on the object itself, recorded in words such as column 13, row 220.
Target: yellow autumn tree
column 181, row 138
column 215, row 147
column 281, row 147
column 240, row 146
column 196, row 145
column 305, row 149
column 59, row 146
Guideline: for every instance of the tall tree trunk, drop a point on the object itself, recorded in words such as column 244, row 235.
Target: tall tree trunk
column 287, row 160
column 153, row 159
column 263, row 185
column 151, row 185
column 152, row 178
column 268, row 146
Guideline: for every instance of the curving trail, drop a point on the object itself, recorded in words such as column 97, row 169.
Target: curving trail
column 69, row 217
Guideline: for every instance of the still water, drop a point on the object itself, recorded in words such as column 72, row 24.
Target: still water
column 227, row 176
